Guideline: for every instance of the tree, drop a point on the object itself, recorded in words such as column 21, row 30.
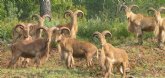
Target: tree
column 45, row 7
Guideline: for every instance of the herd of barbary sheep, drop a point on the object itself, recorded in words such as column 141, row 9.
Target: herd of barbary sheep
column 30, row 43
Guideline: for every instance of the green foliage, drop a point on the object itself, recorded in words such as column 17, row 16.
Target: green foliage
column 99, row 15
column 6, row 29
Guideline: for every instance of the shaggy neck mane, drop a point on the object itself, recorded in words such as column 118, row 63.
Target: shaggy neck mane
column 132, row 16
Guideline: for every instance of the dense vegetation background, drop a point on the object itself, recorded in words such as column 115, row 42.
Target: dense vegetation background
column 99, row 14
column 147, row 61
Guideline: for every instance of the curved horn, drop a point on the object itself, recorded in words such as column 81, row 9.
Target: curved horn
column 54, row 28
column 131, row 6
column 15, row 29
column 97, row 34
column 106, row 32
column 68, row 12
column 125, row 7
column 151, row 9
column 48, row 16
column 44, row 29
column 79, row 13
column 161, row 9
column 20, row 26
column 65, row 28
column 36, row 15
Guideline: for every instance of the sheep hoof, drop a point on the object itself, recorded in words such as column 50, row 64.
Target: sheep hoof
column 161, row 46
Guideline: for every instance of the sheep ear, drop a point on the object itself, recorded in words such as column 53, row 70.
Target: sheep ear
column 31, row 28
column 133, row 6
column 79, row 13
column 68, row 13
column 48, row 16
column 22, row 27
column 65, row 30
column 36, row 15
column 123, row 7
column 96, row 34
column 162, row 9
column 151, row 11
column 106, row 32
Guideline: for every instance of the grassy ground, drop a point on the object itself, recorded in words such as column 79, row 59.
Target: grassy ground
column 146, row 61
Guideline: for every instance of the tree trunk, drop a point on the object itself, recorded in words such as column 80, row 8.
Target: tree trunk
column 45, row 7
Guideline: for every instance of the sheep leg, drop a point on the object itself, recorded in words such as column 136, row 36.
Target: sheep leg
column 140, row 39
column 37, row 60
column 109, row 71
column 139, row 35
column 58, row 48
column 124, row 69
column 160, row 39
column 72, row 61
column 25, row 62
column 69, row 60
column 66, row 60
column 19, row 61
column 64, row 55
column 13, row 60
column 103, row 65
column 89, row 60
column 102, row 61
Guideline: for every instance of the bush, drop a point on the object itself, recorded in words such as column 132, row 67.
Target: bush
column 6, row 29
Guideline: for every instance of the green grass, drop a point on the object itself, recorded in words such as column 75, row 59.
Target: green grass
column 47, row 72
column 146, row 61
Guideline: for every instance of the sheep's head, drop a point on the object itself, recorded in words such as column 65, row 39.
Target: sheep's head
column 24, row 30
column 48, row 32
column 52, row 31
column 72, row 14
column 61, row 33
column 128, row 9
column 41, row 19
column 157, row 12
column 101, row 36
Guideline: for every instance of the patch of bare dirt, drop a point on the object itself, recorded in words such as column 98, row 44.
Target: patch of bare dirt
column 148, row 61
